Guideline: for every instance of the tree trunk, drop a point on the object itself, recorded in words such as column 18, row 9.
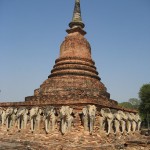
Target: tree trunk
column 148, row 120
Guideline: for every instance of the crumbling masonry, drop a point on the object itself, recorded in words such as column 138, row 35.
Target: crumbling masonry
column 73, row 96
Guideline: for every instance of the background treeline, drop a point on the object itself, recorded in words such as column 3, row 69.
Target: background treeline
column 142, row 104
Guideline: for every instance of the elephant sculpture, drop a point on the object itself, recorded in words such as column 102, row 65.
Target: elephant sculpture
column 85, row 118
column 66, row 118
column 129, row 122
column 134, row 122
column 10, row 117
column 102, row 121
column 117, row 121
column 123, row 121
column 35, row 118
column 108, row 117
column 50, row 118
column 138, row 121
column 2, row 115
column 22, row 117
column 88, row 117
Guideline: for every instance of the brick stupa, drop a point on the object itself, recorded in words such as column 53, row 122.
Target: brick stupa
column 71, row 105
column 74, row 78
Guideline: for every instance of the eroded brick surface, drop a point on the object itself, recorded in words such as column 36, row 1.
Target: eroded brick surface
column 75, row 82
column 75, row 141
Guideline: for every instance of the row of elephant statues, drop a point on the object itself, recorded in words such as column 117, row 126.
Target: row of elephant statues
column 108, row 120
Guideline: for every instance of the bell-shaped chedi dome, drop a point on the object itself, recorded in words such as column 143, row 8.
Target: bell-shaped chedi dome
column 74, row 78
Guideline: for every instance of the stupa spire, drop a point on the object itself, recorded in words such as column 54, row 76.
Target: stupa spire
column 76, row 19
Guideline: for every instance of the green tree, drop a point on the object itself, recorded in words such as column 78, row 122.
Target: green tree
column 126, row 105
column 135, row 102
column 144, row 95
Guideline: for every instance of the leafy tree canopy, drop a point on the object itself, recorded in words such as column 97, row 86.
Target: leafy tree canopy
column 134, row 101
column 126, row 105
column 144, row 95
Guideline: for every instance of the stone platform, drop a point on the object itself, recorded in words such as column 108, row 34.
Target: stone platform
column 24, row 140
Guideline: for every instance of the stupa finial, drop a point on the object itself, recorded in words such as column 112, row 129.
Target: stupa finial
column 77, row 19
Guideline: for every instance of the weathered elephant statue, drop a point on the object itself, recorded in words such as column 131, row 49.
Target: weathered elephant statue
column 123, row 121
column 129, row 121
column 102, row 122
column 2, row 115
column 22, row 117
column 50, row 118
column 108, row 117
column 10, row 117
column 85, row 119
column 88, row 117
column 133, row 122
column 66, row 118
column 138, row 121
column 117, row 121
column 35, row 117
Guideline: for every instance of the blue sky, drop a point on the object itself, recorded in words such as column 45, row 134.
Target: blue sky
column 31, row 32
